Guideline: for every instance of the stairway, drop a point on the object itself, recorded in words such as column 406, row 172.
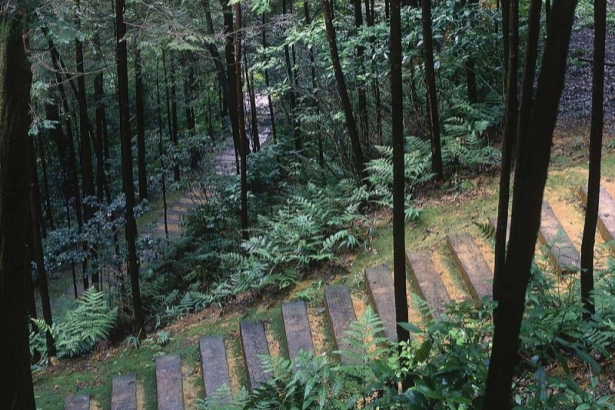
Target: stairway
column 469, row 265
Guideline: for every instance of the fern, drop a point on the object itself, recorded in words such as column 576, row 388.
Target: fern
column 77, row 332
column 487, row 230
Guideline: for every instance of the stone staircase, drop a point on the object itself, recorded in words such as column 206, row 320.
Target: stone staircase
column 425, row 279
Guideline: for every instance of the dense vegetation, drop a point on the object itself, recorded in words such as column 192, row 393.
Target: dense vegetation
column 193, row 79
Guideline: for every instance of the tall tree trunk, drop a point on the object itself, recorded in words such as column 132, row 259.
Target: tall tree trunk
column 36, row 223
column 223, row 81
column 399, row 183
column 530, row 178
column 363, row 114
column 102, row 186
column 470, row 68
column 314, row 91
column 432, row 100
column 595, row 154
column 174, row 121
column 127, row 178
column 270, row 103
column 241, row 126
column 292, row 93
column 16, row 390
column 510, row 134
column 351, row 124
column 256, row 144
column 229, row 53
column 47, row 195
column 140, row 106
column 163, row 176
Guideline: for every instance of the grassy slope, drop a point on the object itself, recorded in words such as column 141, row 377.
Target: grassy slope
column 444, row 211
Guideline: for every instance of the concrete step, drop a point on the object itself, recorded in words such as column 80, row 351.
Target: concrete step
column 124, row 392
column 426, row 280
column 341, row 314
column 471, row 264
column 380, row 287
column 606, row 213
column 215, row 368
column 77, row 402
column 297, row 328
column 562, row 253
column 169, row 382
column 254, row 344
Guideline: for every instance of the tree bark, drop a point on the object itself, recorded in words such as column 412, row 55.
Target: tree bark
column 243, row 145
column 270, row 103
column 351, row 124
column 595, row 154
column 399, row 183
column 16, row 390
column 510, row 134
column 127, row 178
column 36, row 223
column 140, row 107
column 362, row 98
column 432, row 99
column 530, row 178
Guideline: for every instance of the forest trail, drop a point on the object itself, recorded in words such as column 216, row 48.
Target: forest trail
column 224, row 165
column 457, row 267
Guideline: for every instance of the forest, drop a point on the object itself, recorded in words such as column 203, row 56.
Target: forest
column 307, row 204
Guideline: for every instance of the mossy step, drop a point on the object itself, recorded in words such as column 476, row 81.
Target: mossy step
column 124, row 392
column 606, row 213
column 341, row 314
column 297, row 328
column 427, row 281
column 562, row 253
column 215, row 368
column 254, row 344
column 77, row 402
column 381, row 291
column 169, row 382
column 471, row 264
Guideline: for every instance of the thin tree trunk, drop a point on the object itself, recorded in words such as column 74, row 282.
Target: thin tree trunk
column 432, row 100
column 314, row 91
column 292, row 93
column 16, row 390
column 351, row 124
column 256, row 144
column 270, row 103
column 510, row 134
column 140, row 107
column 241, row 126
column 229, row 53
column 530, row 178
column 36, row 223
column 163, row 176
column 362, row 98
column 174, row 121
column 127, row 178
column 47, row 195
column 399, row 183
column 595, row 154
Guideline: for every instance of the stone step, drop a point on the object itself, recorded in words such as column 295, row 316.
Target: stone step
column 297, row 328
column 77, row 402
column 169, row 382
column 562, row 253
column 381, row 291
column 254, row 344
column 426, row 280
column 341, row 314
column 124, row 392
column 215, row 369
column 606, row 213
column 471, row 264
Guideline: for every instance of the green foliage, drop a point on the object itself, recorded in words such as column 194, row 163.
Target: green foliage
column 81, row 328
